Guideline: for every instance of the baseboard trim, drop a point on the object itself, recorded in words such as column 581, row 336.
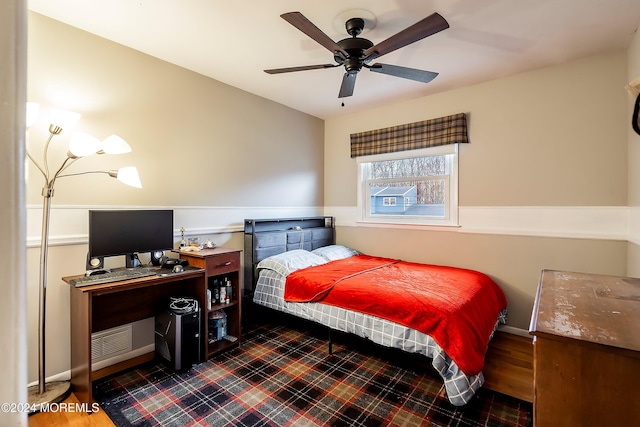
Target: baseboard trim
column 513, row 330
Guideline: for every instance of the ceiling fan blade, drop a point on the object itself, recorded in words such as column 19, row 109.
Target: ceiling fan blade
column 430, row 25
column 404, row 72
column 348, row 84
column 302, row 68
column 299, row 21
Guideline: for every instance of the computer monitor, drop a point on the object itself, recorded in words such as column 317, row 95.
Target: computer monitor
column 128, row 232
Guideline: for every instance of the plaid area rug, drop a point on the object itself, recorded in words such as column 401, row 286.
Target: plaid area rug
column 284, row 376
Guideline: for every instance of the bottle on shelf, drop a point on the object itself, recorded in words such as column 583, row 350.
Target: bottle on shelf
column 223, row 294
column 216, row 292
column 229, row 289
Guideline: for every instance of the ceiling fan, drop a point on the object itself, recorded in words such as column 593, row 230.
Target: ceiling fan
column 354, row 53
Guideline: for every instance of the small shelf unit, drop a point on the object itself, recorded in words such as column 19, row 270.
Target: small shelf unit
column 220, row 264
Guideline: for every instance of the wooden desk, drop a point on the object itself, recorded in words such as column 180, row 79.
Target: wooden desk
column 98, row 307
column 586, row 350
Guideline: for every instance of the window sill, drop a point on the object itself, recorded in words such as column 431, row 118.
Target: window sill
column 408, row 225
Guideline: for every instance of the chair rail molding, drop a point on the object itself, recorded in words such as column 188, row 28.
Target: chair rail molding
column 71, row 225
column 580, row 222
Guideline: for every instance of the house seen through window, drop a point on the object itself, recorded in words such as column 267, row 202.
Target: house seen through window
column 417, row 186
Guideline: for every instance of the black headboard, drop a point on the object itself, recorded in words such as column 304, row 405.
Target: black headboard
column 267, row 237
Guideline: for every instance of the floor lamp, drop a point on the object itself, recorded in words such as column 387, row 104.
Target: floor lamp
column 80, row 145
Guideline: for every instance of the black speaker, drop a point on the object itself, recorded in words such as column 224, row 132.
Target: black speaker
column 157, row 257
column 94, row 263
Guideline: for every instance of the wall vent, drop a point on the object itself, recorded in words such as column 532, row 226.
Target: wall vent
column 111, row 342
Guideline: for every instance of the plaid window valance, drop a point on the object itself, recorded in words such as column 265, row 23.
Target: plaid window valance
column 411, row 136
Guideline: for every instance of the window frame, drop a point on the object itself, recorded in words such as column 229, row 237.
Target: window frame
column 451, row 203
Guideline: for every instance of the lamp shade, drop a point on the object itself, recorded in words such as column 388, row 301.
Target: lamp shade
column 113, row 144
column 82, row 145
column 32, row 113
column 128, row 175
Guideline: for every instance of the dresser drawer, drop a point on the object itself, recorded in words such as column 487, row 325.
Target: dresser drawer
column 214, row 261
column 223, row 263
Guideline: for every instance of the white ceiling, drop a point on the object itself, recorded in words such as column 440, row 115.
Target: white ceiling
column 234, row 41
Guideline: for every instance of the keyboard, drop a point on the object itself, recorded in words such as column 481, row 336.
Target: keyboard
column 112, row 276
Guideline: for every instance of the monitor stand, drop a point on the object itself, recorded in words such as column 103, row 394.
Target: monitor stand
column 131, row 261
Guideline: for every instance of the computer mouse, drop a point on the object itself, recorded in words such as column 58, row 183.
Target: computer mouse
column 178, row 268
column 96, row 272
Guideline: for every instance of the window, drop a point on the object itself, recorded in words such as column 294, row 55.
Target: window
column 389, row 201
column 410, row 187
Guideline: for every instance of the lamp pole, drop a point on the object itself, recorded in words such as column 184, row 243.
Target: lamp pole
column 55, row 391
column 47, row 193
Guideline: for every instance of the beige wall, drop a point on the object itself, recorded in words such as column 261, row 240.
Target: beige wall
column 549, row 137
column 539, row 141
column 213, row 153
column 196, row 141
column 514, row 262
column 633, row 268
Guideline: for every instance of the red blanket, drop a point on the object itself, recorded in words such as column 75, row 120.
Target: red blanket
column 458, row 308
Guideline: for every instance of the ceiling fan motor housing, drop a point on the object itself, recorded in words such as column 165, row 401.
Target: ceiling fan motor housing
column 355, row 47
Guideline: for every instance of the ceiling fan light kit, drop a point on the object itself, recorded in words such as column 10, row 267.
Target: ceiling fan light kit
column 355, row 53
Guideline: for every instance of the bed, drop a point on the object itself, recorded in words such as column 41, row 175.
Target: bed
column 392, row 307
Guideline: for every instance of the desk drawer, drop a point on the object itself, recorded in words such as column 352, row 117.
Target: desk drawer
column 221, row 264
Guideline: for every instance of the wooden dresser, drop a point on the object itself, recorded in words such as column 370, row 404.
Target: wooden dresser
column 586, row 350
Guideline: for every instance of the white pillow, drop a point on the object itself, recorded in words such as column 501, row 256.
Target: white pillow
column 290, row 261
column 335, row 252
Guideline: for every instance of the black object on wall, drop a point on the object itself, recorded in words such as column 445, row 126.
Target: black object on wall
column 635, row 120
